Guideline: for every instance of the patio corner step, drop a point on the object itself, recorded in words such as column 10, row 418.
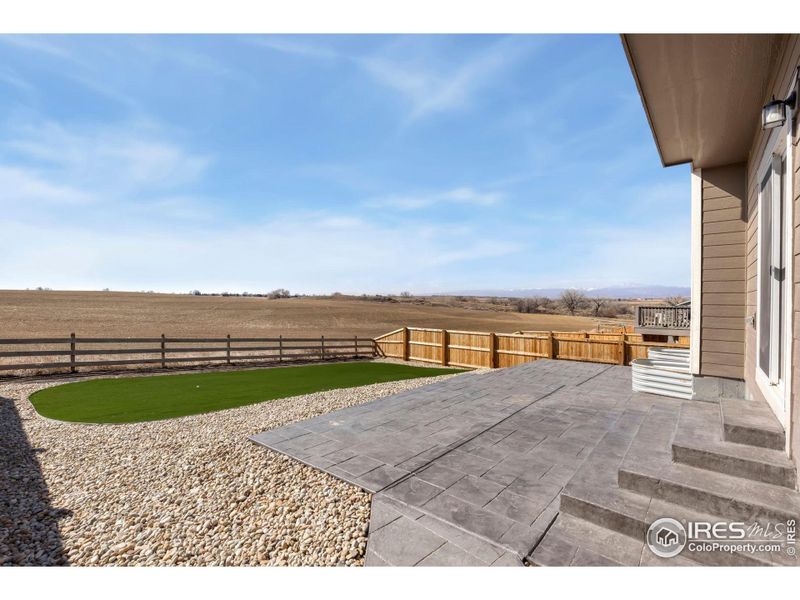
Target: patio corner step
column 611, row 507
column 712, row 493
column 698, row 443
column 623, row 512
column 774, row 469
column 572, row 541
column 751, row 423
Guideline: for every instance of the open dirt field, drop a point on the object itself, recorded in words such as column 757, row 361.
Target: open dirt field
column 124, row 314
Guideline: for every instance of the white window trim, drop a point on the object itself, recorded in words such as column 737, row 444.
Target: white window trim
column 778, row 397
column 697, row 270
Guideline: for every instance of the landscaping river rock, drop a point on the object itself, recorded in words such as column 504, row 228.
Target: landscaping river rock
column 186, row 491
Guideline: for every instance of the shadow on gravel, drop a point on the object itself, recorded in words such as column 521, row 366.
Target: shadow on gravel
column 28, row 523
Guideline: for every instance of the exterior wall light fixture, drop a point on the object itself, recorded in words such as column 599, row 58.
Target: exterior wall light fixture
column 773, row 114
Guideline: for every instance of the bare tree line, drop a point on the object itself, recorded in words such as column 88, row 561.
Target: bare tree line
column 573, row 302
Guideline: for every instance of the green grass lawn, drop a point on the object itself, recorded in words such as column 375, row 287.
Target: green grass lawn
column 135, row 399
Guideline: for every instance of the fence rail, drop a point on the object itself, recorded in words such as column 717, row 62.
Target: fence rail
column 476, row 349
column 163, row 351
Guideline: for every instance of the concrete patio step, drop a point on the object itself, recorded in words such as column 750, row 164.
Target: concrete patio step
column 577, row 542
column 713, row 493
column 648, row 469
column 751, row 423
column 649, row 485
column 608, row 506
column 607, row 516
column 698, row 443
column 604, row 518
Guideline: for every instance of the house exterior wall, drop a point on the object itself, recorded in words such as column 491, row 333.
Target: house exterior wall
column 785, row 71
column 723, row 267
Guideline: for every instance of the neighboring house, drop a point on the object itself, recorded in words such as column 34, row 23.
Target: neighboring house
column 704, row 96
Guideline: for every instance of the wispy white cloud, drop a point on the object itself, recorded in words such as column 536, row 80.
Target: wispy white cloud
column 39, row 43
column 95, row 70
column 434, row 88
column 460, row 195
column 133, row 202
column 10, row 78
column 155, row 51
column 296, row 45
column 328, row 253
column 26, row 186
column 130, row 155
column 415, row 71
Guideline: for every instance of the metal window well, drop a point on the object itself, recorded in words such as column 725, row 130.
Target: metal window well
column 665, row 372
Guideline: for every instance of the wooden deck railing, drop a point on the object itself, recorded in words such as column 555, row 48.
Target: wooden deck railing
column 476, row 349
column 75, row 353
column 668, row 317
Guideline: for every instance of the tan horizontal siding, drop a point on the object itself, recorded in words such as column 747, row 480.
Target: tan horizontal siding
column 723, row 262
column 730, row 359
column 714, row 346
column 727, row 299
column 723, row 201
column 723, row 239
column 724, row 271
column 725, row 227
column 710, row 274
column 725, row 214
column 725, row 287
column 723, row 335
column 723, row 323
column 722, row 371
column 723, row 310
column 724, row 250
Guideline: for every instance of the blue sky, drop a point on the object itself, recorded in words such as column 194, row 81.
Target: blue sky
column 356, row 164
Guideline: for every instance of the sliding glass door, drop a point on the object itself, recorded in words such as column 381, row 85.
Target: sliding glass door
column 772, row 286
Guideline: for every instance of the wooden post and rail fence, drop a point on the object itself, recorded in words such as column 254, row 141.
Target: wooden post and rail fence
column 72, row 352
column 467, row 349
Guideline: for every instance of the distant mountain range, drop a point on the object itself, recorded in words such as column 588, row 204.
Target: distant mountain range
column 624, row 291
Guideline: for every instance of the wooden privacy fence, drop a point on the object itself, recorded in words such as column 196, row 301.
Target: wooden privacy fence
column 76, row 352
column 492, row 350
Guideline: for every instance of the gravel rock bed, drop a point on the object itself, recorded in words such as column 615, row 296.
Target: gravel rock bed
column 187, row 491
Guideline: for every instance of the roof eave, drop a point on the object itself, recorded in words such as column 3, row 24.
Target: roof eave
column 632, row 65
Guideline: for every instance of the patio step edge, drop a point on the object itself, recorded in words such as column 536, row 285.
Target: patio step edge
column 713, row 493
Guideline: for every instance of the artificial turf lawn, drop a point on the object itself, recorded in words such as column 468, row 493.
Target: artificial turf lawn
column 135, row 399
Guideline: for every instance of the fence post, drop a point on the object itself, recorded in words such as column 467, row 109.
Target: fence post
column 163, row 351
column 492, row 350
column 622, row 350
column 355, row 342
column 405, row 343
column 551, row 345
column 444, row 357
column 72, row 368
column 322, row 347
column 228, row 349
column 280, row 348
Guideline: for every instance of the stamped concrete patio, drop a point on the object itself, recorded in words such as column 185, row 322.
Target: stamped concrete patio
column 507, row 467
